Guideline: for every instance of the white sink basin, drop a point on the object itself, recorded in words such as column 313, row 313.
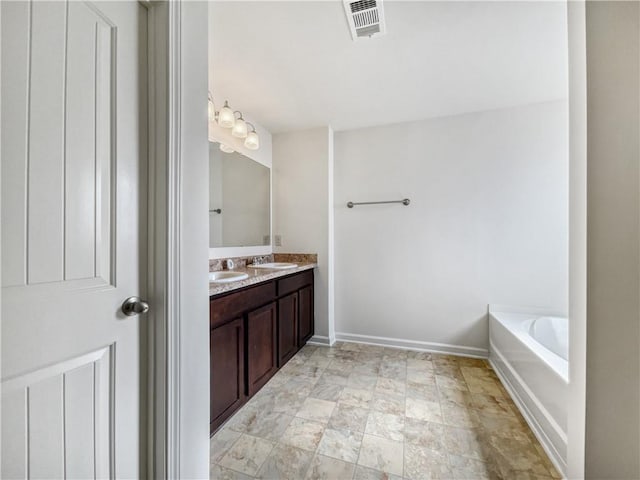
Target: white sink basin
column 225, row 276
column 276, row 265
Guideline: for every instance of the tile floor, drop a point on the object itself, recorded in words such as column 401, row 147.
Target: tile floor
column 365, row 412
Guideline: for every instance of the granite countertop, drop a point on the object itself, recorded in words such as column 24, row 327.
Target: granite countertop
column 257, row 275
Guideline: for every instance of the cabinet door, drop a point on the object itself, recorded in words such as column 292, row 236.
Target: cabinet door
column 261, row 346
column 287, row 328
column 226, row 348
column 305, row 323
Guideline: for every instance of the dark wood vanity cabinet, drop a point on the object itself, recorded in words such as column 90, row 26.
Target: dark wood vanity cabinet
column 226, row 344
column 305, row 312
column 287, row 327
column 253, row 332
column 262, row 346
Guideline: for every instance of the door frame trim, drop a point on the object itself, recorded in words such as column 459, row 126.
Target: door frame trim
column 163, row 418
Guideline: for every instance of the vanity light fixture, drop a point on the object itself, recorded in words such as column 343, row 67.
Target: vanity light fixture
column 252, row 141
column 226, row 118
column 240, row 127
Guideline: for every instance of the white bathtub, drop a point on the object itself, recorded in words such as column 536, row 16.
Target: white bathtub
column 529, row 351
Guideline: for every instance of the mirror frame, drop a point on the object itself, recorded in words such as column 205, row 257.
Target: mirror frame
column 228, row 252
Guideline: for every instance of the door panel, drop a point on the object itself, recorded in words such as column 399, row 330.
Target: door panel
column 73, row 162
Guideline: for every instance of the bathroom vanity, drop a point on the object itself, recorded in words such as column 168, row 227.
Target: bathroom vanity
column 254, row 330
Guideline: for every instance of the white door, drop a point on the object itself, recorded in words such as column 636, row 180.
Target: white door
column 74, row 168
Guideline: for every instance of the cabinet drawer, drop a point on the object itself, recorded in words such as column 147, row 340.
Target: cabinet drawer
column 230, row 306
column 295, row 282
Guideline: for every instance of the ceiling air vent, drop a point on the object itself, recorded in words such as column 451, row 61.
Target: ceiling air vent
column 365, row 17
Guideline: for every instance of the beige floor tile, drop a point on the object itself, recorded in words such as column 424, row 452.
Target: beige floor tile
column 421, row 376
column 318, row 361
column 477, row 372
column 336, row 377
column 243, row 417
column 341, row 444
column 287, row 402
column 418, row 364
column 390, row 371
column 507, row 426
column 361, row 381
column 423, row 391
column 348, row 417
column 220, row 443
column 425, row 434
column 422, row 463
column 365, row 473
column 447, row 370
column 285, row 463
column 443, row 359
column 385, row 425
column 381, row 454
column 519, row 456
column 388, row 403
column 423, row 410
column 326, row 391
column 465, row 442
column 327, row 468
column 316, row 409
column 247, row 455
column 456, row 416
column 269, row 425
column 216, row 472
column 458, row 397
column 356, row 397
column 390, row 386
column 366, row 369
column 485, row 385
column 485, row 403
column 444, row 381
column 463, row 468
column 303, row 434
column 419, row 355
column 390, row 412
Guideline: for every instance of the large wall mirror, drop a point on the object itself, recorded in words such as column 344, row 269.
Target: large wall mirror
column 239, row 200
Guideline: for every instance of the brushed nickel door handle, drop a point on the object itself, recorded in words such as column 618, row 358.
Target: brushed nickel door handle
column 134, row 306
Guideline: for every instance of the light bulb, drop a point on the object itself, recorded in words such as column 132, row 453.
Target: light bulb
column 252, row 142
column 239, row 128
column 226, row 118
column 226, row 149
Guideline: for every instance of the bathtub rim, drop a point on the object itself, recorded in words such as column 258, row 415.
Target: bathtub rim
column 558, row 365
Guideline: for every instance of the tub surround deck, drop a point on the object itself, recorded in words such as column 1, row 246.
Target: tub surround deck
column 259, row 275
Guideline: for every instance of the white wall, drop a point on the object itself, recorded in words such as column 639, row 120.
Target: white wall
column 613, row 240
column 487, row 223
column 301, row 204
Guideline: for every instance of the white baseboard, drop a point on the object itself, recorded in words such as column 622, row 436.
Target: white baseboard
column 459, row 350
column 319, row 340
column 497, row 362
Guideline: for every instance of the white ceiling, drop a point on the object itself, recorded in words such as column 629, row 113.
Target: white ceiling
column 293, row 65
